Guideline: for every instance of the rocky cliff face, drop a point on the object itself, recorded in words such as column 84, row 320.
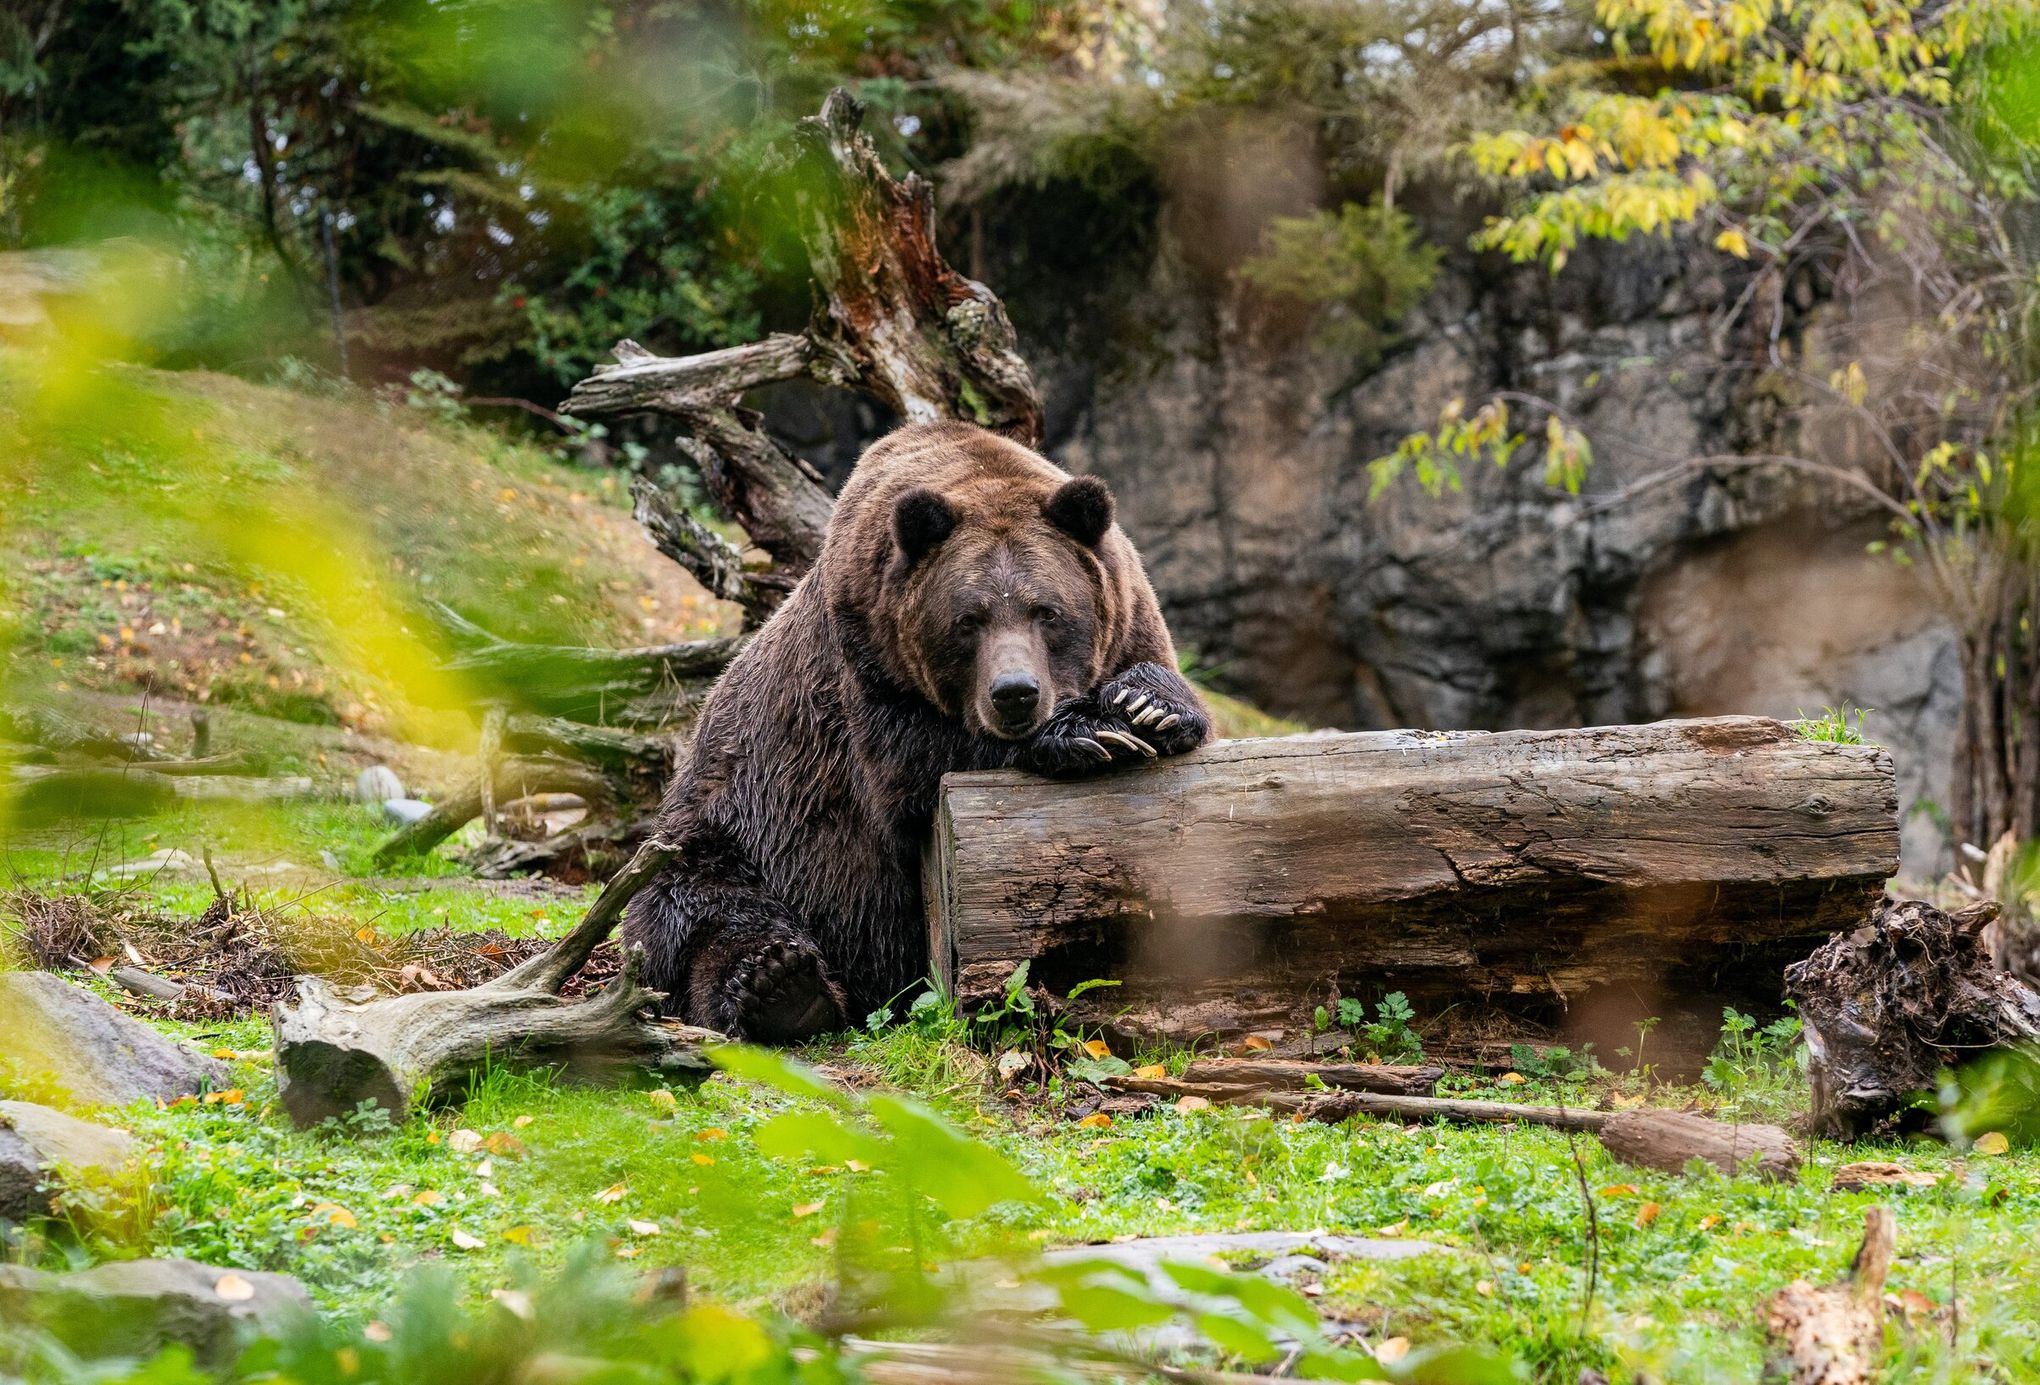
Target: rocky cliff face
column 1660, row 590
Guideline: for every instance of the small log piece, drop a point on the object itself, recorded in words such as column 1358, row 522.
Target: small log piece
column 335, row 1052
column 1670, row 1140
column 1834, row 1335
column 1887, row 1005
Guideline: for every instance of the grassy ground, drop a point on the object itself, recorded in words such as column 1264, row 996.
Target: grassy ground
column 658, row 1176
column 226, row 542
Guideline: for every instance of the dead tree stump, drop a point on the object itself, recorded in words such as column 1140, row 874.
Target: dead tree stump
column 1886, row 1005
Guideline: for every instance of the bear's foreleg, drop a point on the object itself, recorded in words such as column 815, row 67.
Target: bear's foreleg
column 730, row 957
column 1148, row 710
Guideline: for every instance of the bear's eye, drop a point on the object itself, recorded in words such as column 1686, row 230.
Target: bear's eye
column 970, row 622
column 1047, row 615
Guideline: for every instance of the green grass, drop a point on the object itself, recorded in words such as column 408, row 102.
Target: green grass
column 1843, row 725
column 1682, row 1260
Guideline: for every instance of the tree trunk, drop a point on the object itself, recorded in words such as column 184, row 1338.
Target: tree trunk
column 1670, row 1140
column 1511, row 883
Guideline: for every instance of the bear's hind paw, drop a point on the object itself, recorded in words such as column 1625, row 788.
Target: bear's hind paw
column 783, row 994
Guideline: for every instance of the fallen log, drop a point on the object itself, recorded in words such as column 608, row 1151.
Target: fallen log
column 1665, row 1140
column 1545, row 883
column 1885, row 1007
column 1834, row 1335
column 335, row 1052
column 1295, row 1076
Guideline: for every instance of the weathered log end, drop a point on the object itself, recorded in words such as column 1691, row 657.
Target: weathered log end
column 1558, row 886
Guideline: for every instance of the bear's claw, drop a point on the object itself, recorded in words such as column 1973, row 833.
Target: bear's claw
column 1133, row 743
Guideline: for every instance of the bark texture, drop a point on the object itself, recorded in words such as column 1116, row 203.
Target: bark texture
column 1530, row 883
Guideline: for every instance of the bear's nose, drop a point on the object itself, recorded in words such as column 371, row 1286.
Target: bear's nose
column 1014, row 694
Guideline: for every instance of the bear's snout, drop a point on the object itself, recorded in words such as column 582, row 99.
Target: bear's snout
column 1015, row 697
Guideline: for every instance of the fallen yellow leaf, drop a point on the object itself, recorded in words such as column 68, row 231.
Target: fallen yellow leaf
column 463, row 1241
column 714, row 1132
column 1193, row 1103
column 643, row 1228
column 335, row 1214
column 1097, row 1120
column 807, row 1209
column 627, row 1252
column 1512, row 1079
column 1257, row 1043
column 702, row 1158
column 518, row 1235
column 613, row 1193
column 1992, row 1143
column 1647, row 1213
column 662, row 1099
column 1151, row 1070
column 1619, row 1190
column 233, row 1288
column 428, row 1198
column 1098, row 1048
column 464, row 1141
column 1392, row 1350
column 523, row 1121
column 1709, row 1222
column 1394, row 1228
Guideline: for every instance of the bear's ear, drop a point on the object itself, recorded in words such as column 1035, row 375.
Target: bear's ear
column 921, row 519
column 1082, row 508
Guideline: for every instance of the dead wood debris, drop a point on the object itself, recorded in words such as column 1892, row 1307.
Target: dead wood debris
column 1834, row 1335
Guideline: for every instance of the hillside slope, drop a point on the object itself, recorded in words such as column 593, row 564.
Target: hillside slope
column 220, row 541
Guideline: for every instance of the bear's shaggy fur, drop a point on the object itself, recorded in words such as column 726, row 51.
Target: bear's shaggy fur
column 973, row 607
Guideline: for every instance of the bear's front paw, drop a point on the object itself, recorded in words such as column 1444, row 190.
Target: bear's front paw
column 1077, row 740
column 782, row 994
column 1157, row 708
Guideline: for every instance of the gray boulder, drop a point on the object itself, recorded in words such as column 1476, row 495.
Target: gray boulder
column 135, row 1308
column 94, row 1052
column 35, row 1142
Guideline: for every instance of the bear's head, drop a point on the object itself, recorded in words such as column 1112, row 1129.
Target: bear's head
column 997, row 586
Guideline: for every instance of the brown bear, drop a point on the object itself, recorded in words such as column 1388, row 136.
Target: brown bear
column 973, row 607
